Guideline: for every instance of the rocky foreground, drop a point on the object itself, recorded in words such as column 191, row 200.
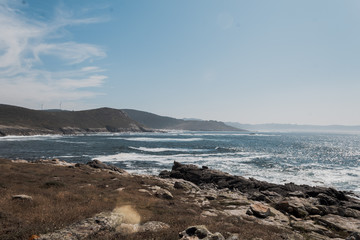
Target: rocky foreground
column 187, row 202
column 320, row 212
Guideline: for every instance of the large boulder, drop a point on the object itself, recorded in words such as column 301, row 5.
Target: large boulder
column 199, row 232
column 100, row 165
column 354, row 236
column 260, row 210
column 294, row 206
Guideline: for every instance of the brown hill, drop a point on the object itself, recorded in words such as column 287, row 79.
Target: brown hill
column 160, row 122
column 22, row 121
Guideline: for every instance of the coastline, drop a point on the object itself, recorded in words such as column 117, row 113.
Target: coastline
column 24, row 131
column 318, row 164
column 270, row 213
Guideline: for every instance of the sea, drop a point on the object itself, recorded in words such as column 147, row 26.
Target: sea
column 317, row 159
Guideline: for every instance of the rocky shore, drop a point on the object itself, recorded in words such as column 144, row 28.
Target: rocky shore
column 321, row 212
column 188, row 202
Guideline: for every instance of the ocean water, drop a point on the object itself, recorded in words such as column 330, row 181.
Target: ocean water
column 303, row 158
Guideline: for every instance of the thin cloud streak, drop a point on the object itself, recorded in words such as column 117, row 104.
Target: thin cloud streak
column 70, row 51
column 25, row 48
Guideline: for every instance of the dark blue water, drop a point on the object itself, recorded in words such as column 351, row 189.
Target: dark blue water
column 309, row 158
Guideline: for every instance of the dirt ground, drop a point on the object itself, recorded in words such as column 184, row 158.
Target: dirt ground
column 64, row 195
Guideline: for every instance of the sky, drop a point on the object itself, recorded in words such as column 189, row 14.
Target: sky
column 254, row 61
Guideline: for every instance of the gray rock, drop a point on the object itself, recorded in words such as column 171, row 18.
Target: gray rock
column 354, row 236
column 296, row 194
column 341, row 223
column 312, row 210
column 260, row 210
column 294, row 206
column 145, row 191
column 327, row 200
column 260, row 197
column 209, row 213
column 309, row 226
column 106, row 221
column 153, row 226
column 19, row 161
column 22, row 197
column 260, row 190
column 163, row 193
column 348, row 212
column 249, row 212
column 234, row 236
column 87, row 227
column 186, row 185
column 210, row 197
column 216, row 236
column 100, row 165
column 181, row 185
column 199, row 232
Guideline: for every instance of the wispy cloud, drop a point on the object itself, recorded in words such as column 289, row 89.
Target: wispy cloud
column 28, row 47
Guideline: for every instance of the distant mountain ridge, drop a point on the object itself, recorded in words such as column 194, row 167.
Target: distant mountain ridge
column 275, row 127
column 22, row 121
column 154, row 121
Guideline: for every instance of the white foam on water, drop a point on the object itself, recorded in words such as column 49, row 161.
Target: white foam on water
column 212, row 159
column 229, row 134
column 237, row 163
column 276, row 168
column 145, row 149
column 72, row 142
column 66, row 156
column 30, row 138
column 340, row 178
column 129, row 157
column 149, row 139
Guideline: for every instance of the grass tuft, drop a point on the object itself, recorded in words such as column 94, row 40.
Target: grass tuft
column 54, row 184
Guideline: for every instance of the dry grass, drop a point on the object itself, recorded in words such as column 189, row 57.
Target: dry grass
column 60, row 195
column 63, row 195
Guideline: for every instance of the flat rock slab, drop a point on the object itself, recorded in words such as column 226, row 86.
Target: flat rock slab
column 22, row 197
column 83, row 229
column 100, row 165
column 102, row 222
column 260, row 210
column 152, row 226
column 309, row 226
column 341, row 223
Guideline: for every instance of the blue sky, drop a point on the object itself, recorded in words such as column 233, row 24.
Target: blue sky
column 245, row 61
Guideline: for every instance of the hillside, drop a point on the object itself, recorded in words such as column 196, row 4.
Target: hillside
column 22, row 121
column 151, row 120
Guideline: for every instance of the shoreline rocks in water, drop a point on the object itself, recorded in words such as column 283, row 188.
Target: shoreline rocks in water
column 310, row 209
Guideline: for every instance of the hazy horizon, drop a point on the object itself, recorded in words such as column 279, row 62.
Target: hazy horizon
column 252, row 62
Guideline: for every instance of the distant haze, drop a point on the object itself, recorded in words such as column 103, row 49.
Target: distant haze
column 271, row 127
column 252, row 62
